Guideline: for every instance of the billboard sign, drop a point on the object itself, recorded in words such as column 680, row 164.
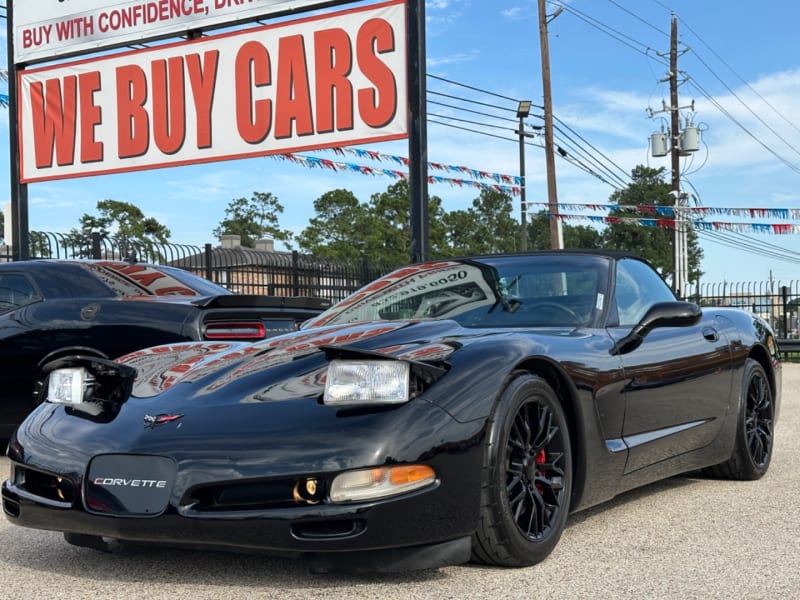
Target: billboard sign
column 326, row 80
column 48, row 29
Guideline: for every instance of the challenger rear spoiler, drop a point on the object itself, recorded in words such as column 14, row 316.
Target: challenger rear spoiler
column 260, row 301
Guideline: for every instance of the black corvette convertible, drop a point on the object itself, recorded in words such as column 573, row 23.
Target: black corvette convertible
column 106, row 308
column 450, row 411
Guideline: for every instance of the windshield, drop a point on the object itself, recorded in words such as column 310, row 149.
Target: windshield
column 514, row 291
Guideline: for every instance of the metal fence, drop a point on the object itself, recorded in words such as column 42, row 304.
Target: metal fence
column 242, row 270
column 778, row 302
column 261, row 271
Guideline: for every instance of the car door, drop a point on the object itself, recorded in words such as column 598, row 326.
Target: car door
column 677, row 382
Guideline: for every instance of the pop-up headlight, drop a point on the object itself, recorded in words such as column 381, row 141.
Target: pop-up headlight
column 69, row 386
column 92, row 386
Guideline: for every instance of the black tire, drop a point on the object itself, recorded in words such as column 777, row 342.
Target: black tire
column 526, row 480
column 752, row 450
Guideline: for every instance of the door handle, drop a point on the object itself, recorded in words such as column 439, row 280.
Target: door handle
column 710, row 334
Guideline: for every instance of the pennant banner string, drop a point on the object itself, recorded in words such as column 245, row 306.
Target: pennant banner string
column 770, row 228
column 499, row 178
column 314, row 162
column 694, row 211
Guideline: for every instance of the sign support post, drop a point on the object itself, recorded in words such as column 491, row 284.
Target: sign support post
column 417, row 133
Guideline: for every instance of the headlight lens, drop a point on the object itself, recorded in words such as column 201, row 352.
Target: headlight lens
column 380, row 482
column 68, row 386
column 364, row 382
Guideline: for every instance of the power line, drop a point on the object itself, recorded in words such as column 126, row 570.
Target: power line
column 578, row 155
column 480, row 132
column 585, row 141
column 622, row 38
column 510, row 123
column 743, row 103
column 460, row 120
column 476, row 89
column 741, row 126
column 739, row 77
column 741, row 243
column 462, row 99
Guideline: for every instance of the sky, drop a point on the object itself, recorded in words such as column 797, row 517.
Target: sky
column 740, row 71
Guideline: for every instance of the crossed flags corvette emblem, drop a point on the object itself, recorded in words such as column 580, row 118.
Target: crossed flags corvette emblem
column 151, row 421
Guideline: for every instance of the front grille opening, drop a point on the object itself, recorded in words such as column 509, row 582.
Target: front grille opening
column 258, row 495
column 11, row 507
column 317, row 530
column 44, row 485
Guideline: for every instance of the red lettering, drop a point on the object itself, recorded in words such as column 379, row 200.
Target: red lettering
column 292, row 96
column 252, row 70
column 377, row 106
column 53, row 119
column 141, row 274
column 133, row 124
column 176, row 290
column 203, row 79
column 169, row 112
column 91, row 117
column 333, row 62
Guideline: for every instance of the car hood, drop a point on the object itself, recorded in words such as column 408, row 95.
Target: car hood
column 212, row 367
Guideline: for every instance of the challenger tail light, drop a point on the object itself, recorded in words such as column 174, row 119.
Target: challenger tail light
column 235, row 331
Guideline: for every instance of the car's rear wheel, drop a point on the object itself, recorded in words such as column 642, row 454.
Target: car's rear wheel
column 752, row 449
column 527, row 477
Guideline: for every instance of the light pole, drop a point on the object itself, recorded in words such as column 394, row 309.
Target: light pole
column 523, row 110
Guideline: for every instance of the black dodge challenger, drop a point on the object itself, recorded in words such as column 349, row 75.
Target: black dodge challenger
column 106, row 308
column 450, row 411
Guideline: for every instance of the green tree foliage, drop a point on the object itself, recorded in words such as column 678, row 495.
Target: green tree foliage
column 344, row 228
column 648, row 188
column 122, row 222
column 487, row 227
column 575, row 236
column 390, row 225
column 253, row 219
column 339, row 227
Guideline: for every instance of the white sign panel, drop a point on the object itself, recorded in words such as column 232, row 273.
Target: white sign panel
column 329, row 80
column 46, row 29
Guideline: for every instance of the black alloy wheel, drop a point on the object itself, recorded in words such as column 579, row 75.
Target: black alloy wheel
column 752, row 450
column 527, row 477
column 758, row 420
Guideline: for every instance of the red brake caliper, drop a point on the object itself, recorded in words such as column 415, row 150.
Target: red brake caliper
column 541, row 457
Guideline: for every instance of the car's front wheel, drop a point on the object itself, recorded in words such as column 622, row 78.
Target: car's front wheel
column 752, row 449
column 527, row 476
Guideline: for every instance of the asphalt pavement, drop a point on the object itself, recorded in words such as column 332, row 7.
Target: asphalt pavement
column 686, row 537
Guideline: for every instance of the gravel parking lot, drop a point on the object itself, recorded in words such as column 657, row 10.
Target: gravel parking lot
column 687, row 537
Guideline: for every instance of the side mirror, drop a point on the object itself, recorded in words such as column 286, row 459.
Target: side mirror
column 661, row 314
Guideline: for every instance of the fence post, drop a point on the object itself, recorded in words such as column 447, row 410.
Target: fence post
column 209, row 258
column 785, row 301
column 365, row 275
column 95, row 245
column 295, row 273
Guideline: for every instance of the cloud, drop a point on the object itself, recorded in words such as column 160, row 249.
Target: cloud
column 460, row 57
column 516, row 13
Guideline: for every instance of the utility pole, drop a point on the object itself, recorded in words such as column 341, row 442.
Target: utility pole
column 681, row 143
column 549, row 145
column 680, row 259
